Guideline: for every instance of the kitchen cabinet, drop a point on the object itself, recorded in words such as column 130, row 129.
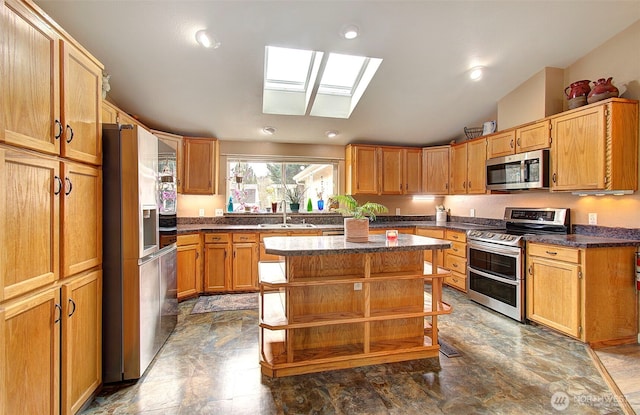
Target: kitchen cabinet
column 527, row 137
column 400, row 170
column 245, row 262
column 586, row 293
column 435, row 170
column 596, row 147
column 30, row 354
column 455, row 259
column 199, row 166
column 81, row 340
column 189, row 265
column 501, row 144
column 175, row 142
column 432, row 233
column 264, row 257
column 217, row 262
column 109, row 113
column 361, row 163
column 467, row 167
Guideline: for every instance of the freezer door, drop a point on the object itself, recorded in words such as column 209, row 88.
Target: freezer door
column 149, row 311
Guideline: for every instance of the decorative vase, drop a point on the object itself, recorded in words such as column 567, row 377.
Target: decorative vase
column 356, row 230
column 295, row 207
column 320, row 204
column 309, row 205
column 602, row 89
column 577, row 94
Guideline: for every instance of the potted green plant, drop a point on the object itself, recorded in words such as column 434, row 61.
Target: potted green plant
column 356, row 225
column 294, row 195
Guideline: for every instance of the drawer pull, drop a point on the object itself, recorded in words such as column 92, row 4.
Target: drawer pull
column 455, row 265
column 551, row 253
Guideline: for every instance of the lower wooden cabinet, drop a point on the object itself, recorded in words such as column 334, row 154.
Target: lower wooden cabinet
column 586, row 293
column 455, row 259
column 244, row 274
column 428, row 254
column 51, row 348
column 217, row 262
column 189, row 265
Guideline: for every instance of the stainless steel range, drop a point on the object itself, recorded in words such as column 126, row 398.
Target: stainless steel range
column 495, row 273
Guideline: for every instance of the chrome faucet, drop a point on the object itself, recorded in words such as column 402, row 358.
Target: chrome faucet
column 284, row 212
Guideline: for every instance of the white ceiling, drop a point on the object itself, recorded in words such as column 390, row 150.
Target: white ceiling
column 420, row 96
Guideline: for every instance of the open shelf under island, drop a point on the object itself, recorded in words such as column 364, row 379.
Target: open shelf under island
column 334, row 304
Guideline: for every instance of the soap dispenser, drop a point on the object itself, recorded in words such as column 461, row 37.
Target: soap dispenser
column 230, row 206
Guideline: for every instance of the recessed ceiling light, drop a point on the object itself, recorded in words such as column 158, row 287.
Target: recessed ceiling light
column 350, row 32
column 475, row 74
column 269, row 130
column 331, row 133
column 207, row 40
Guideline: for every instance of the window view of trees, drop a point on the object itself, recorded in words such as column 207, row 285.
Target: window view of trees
column 254, row 185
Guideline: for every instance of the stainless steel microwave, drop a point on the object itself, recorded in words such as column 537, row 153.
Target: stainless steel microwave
column 521, row 171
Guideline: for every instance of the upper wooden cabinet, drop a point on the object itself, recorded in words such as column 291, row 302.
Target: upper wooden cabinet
column 383, row 170
column 596, row 147
column 52, row 87
column 435, row 170
column 362, row 170
column 175, row 143
column 467, row 164
column 525, row 138
column 199, row 175
column 109, row 113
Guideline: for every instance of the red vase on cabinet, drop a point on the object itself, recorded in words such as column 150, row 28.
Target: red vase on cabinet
column 577, row 93
column 602, row 89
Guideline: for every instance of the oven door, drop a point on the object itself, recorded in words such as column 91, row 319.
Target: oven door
column 495, row 278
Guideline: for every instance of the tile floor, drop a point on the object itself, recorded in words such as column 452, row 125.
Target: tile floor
column 209, row 365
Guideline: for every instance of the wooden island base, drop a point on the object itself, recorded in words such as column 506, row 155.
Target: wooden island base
column 334, row 311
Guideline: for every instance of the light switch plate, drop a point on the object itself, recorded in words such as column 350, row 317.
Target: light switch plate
column 201, row 212
column 472, row 213
column 593, row 218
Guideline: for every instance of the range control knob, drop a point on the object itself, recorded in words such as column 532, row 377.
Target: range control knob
column 490, row 235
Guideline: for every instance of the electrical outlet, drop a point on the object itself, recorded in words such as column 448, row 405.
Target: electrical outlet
column 357, row 286
column 472, row 213
column 219, row 212
column 593, row 218
column 201, row 212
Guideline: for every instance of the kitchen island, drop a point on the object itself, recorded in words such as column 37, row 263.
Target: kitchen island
column 334, row 304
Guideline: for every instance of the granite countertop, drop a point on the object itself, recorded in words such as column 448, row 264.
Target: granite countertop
column 216, row 227
column 581, row 241
column 331, row 245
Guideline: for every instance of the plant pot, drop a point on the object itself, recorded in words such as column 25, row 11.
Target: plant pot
column 356, row 230
column 295, row 207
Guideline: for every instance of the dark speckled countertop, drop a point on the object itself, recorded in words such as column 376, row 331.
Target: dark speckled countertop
column 581, row 241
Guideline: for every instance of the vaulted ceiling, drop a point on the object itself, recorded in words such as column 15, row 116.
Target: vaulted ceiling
column 421, row 94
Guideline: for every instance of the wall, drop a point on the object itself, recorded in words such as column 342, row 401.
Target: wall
column 619, row 58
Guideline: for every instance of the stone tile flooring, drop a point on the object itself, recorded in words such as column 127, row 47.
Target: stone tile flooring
column 209, row 365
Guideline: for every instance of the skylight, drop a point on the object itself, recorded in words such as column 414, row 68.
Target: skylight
column 290, row 80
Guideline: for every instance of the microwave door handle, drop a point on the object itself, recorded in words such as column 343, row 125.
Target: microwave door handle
column 524, row 172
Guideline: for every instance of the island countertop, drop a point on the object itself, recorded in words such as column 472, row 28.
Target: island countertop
column 331, row 245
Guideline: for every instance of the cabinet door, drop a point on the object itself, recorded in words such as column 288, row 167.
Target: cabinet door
column 175, row 142
column 81, row 218
column 109, row 113
column 364, row 173
column 245, row 266
column 428, row 254
column 435, row 170
column 30, row 80
column 553, row 294
column 412, row 171
column 189, row 278
column 82, row 106
column 391, row 171
column 29, row 231
column 501, row 144
column 533, row 137
column 476, row 169
column 217, row 265
column 458, row 166
column 199, row 166
column 81, row 340
column 30, row 355
column 578, row 150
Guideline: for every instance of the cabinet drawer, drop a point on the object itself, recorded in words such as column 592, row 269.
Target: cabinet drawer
column 455, row 236
column 216, row 238
column 554, row 252
column 456, row 280
column 270, row 234
column 458, row 249
column 430, row 233
column 245, row 237
column 455, row 263
column 188, row 239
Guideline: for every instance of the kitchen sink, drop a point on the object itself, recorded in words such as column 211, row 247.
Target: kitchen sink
column 287, row 225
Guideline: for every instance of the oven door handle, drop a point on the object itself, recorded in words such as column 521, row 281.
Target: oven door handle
column 495, row 249
column 494, row 277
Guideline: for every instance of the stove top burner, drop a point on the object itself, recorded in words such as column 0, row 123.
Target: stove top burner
column 525, row 221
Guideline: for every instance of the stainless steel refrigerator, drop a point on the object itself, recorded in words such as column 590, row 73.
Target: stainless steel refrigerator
column 139, row 286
